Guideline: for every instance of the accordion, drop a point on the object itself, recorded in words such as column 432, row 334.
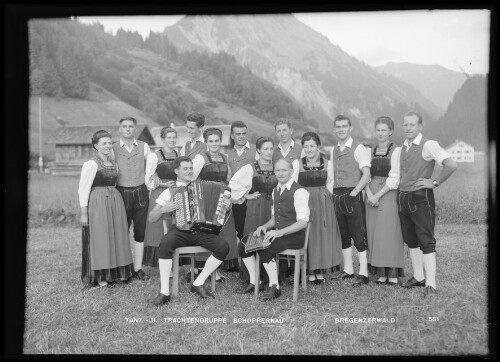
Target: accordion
column 201, row 208
column 253, row 243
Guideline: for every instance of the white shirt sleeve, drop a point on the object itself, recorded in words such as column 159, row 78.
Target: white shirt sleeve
column 301, row 204
column 241, row 183
column 89, row 170
column 164, row 197
column 433, row 151
column 362, row 156
column 151, row 164
column 182, row 151
column 198, row 163
column 296, row 170
column 394, row 174
column 329, row 179
column 272, row 197
column 147, row 150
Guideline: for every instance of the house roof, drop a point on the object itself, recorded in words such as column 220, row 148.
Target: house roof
column 83, row 134
column 456, row 143
column 182, row 135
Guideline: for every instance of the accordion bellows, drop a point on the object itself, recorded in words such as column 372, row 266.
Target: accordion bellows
column 253, row 243
column 201, row 207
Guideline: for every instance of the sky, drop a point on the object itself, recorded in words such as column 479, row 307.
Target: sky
column 455, row 39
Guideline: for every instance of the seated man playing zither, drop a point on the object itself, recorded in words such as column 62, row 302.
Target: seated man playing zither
column 289, row 218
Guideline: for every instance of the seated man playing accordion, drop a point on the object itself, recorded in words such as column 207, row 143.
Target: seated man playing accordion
column 176, row 237
column 289, row 218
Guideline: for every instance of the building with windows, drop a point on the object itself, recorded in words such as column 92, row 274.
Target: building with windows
column 461, row 151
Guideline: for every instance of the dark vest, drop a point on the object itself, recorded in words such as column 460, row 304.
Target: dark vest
column 413, row 166
column 346, row 169
column 236, row 162
column 293, row 154
column 105, row 175
column 381, row 164
column 263, row 181
column 131, row 166
column 196, row 149
column 312, row 176
column 214, row 170
column 165, row 167
column 284, row 210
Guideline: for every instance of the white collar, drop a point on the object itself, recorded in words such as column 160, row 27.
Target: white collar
column 348, row 143
column 416, row 140
column 246, row 145
column 288, row 184
column 199, row 139
column 123, row 143
column 291, row 145
column 180, row 183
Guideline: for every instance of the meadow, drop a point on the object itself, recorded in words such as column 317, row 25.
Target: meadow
column 329, row 319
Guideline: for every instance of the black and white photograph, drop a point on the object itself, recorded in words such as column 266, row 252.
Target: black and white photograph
column 273, row 182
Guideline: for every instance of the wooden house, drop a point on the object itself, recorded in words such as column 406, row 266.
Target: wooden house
column 73, row 146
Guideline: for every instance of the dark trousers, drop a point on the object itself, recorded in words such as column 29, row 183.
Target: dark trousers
column 136, row 200
column 176, row 238
column 417, row 216
column 351, row 218
column 239, row 213
column 290, row 241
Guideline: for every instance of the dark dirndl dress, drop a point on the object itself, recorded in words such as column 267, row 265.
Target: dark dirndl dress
column 217, row 170
column 106, row 254
column 385, row 239
column 259, row 210
column 324, row 250
column 155, row 230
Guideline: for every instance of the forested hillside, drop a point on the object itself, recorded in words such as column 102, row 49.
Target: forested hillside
column 150, row 75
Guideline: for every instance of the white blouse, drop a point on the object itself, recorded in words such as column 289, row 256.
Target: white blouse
column 89, row 170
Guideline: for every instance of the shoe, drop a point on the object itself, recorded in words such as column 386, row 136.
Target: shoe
column 316, row 281
column 343, row 275
column 392, row 283
column 161, row 299
column 222, row 278
column 429, row 292
column 250, row 288
column 99, row 286
column 201, row 291
column 271, row 293
column 384, row 282
column 360, row 279
column 410, row 283
column 140, row 275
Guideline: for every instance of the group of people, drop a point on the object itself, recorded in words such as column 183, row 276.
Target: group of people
column 277, row 189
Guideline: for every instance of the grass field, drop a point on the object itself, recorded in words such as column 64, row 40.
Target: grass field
column 60, row 318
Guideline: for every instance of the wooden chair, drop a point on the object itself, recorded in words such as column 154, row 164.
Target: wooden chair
column 188, row 251
column 300, row 256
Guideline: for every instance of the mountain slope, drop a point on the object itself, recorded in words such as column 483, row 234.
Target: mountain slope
column 434, row 81
column 321, row 76
column 466, row 116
